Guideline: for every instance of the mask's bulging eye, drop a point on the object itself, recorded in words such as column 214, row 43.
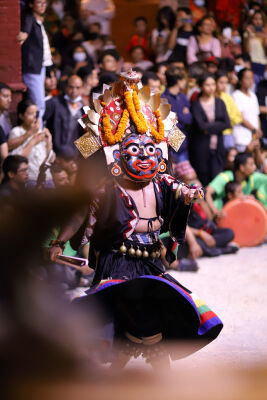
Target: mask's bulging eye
column 133, row 150
column 150, row 150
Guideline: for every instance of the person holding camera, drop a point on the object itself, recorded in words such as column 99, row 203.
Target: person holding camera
column 181, row 32
column 27, row 140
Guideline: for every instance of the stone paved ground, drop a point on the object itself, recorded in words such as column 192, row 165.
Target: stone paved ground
column 234, row 287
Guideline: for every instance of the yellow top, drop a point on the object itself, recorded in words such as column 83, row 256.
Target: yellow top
column 233, row 112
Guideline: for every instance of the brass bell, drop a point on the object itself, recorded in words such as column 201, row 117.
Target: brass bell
column 123, row 249
column 153, row 254
column 145, row 253
column 138, row 253
column 157, row 254
column 131, row 251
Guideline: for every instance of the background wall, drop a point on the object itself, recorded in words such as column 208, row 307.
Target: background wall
column 10, row 63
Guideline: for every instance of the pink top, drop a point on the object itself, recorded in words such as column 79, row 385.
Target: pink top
column 213, row 46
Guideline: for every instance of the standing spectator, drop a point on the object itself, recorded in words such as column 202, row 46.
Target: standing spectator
column 231, row 107
column 255, row 41
column 210, row 118
column 101, row 11
column 262, row 98
column 204, row 44
column 36, row 55
column 141, row 37
column 27, row 140
column 160, row 35
column 109, row 61
column 5, row 101
column 90, row 80
column 248, row 105
column 15, row 169
column 65, row 39
column 151, row 79
column 138, row 58
column 3, row 145
column 180, row 34
column 62, row 113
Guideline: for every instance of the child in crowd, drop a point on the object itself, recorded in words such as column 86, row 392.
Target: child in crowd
column 141, row 37
column 233, row 190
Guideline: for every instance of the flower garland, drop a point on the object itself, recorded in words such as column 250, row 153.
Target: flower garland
column 108, row 135
column 134, row 110
column 140, row 124
column 158, row 135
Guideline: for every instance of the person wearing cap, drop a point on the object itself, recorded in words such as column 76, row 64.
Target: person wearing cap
column 212, row 64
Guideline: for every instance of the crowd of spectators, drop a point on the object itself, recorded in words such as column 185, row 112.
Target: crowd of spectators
column 213, row 74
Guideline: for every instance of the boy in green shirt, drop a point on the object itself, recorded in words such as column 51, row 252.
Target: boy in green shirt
column 252, row 183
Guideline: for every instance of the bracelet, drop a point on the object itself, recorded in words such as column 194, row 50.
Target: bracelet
column 200, row 233
column 58, row 243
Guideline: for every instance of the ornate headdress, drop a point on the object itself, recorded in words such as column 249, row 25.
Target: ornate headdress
column 121, row 110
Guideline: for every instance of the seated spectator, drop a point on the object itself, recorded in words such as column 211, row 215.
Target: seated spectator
column 152, row 80
column 15, row 169
column 181, row 106
column 5, row 102
column 160, row 35
column 231, row 107
column 67, row 162
column 62, row 113
column 244, row 172
column 27, row 140
column 109, row 61
column 233, row 190
column 138, row 58
column 141, row 37
column 248, row 105
column 204, row 44
column 36, row 54
column 181, row 32
column 210, row 119
column 59, row 175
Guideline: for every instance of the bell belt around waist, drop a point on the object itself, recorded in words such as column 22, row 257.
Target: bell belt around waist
column 139, row 250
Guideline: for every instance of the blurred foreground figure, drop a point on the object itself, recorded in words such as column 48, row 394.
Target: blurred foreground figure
column 142, row 307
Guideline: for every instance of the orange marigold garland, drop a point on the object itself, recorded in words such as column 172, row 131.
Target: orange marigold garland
column 134, row 110
column 140, row 124
column 117, row 137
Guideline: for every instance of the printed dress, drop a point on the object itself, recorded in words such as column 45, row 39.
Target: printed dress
column 138, row 301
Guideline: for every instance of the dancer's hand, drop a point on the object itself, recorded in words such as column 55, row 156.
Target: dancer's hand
column 192, row 194
column 54, row 252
